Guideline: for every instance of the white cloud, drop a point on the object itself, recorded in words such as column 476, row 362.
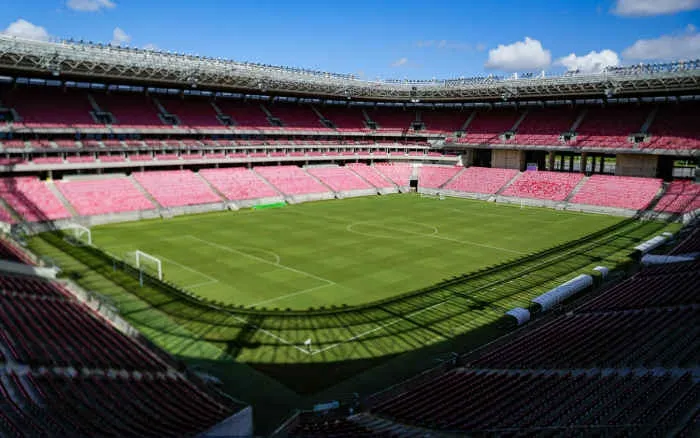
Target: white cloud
column 90, row 5
column 521, row 55
column 24, row 29
column 400, row 62
column 594, row 62
column 120, row 37
column 666, row 47
column 646, row 8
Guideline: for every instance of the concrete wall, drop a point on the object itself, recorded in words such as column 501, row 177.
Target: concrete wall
column 636, row 165
column 508, row 159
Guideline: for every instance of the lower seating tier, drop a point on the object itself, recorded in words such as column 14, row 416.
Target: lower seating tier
column 618, row 191
column 176, row 188
column 104, row 196
column 502, row 402
column 481, row 180
column 60, row 405
column 291, row 180
column 339, row 179
column 552, row 186
column 631, row 338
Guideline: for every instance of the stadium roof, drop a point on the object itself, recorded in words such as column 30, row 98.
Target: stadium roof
column 89, row 62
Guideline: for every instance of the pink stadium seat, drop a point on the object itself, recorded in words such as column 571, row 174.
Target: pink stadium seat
column 551, row 186
column 104, row 196
column 291, row 180
column 392, row 119
column 487, row 126
column 130, row 110
column 166, row 157
column 444, row 121
column 140, row 157
column 111, row 158
column 610, row 127
column 238, row 183
column 680, row 197
column 296, row 116
column 50, row 107
column 80, row 159
column 618, row 191
column 433, row 177
column 47, row 160
column 399, row 173
column 675, row 127
column 30, row 197
column 176, row 188
column 192, row 112
column 481, row 180
column 542, row 127
column 339, row 179
column 244, row 114
column 344, row 118
column 14, row 144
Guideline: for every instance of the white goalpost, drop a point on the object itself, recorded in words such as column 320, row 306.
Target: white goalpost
column 79, row 234
column 145, row 262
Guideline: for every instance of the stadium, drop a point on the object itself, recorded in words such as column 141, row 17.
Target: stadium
column 196, row 246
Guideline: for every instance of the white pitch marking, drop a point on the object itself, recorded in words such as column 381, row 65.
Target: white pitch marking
column 293, row 294
column 187, row 268
column 204, row 283
column 279, row 265
column 432, row 236
column 383, row 326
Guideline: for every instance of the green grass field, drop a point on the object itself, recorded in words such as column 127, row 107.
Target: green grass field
column 333, row 253
column 389, row 273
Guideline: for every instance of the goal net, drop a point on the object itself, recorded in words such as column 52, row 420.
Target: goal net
column 78, row 235
column 145, row 262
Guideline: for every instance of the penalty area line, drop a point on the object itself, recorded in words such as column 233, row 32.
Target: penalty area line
column 261, row 260
column 293, row 294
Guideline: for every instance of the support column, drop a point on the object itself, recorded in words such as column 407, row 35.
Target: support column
column 551, row 158
column 584, row 162
column 602, row 165
column 571, row 163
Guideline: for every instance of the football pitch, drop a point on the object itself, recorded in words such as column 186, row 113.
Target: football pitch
column 378, row 286
column 339, row 253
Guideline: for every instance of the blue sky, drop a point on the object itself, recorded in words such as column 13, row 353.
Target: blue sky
column 386, row 39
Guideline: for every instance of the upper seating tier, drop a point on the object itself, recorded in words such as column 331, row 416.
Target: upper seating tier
column 49, row 107
column 130, row 110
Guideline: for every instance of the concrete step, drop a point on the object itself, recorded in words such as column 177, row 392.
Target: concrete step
column 145, row 192
column 59, row 195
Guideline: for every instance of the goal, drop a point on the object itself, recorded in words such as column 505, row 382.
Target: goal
column 78, row 235
column 145, row 262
